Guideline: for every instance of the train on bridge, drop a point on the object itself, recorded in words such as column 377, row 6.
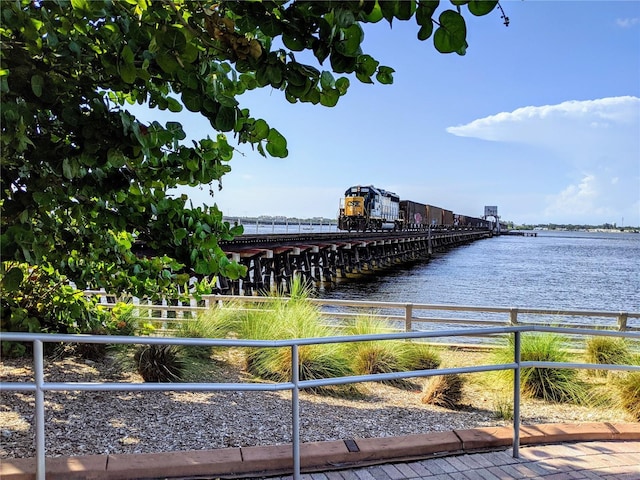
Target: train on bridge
column 367, row 208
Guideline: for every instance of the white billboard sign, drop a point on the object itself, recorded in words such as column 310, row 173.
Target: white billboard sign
column 491, row 211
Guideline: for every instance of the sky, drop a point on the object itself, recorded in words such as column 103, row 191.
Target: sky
column 540, row 118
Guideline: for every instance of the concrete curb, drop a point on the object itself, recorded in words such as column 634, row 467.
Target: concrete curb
column 315, row 456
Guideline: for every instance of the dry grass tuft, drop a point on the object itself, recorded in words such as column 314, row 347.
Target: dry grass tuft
column 443, row 391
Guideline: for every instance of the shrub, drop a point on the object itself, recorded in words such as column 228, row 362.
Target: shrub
column 214, row 323
column 386, row 356
column 420, row 356
column 629, row 391
column 443, row 391
column 607, row 350
column 159, row 363
column 118, row 320
column 373, row 357
column 281, row 319
column 39, row 299
column 549, row 384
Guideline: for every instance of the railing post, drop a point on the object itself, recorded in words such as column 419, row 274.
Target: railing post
column 622, row 321
column 38, row 372
column 516, row 396
column 295, row 411
column 408, row 315
column 513, row 316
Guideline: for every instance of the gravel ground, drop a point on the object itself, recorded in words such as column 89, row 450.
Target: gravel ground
column 82, row 423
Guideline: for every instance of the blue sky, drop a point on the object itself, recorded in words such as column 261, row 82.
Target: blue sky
column 541, row 118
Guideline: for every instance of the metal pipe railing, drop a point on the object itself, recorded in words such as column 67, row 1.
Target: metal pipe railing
column 507, row 316
column 39, row 386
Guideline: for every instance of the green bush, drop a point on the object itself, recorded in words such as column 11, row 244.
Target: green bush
column 549, row 384
column 39, row 299
column 214, row 323
column 629, row 391
column 420, row 356
column 280, row 319
column 607, row 350
column 160, row 363
column 373, row 357
column 386, row 356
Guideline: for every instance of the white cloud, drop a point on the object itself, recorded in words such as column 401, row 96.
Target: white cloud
column 594, row 144
column 627, row 22
column 575, row 200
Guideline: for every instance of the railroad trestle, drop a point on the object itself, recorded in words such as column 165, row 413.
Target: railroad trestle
column 273, row 261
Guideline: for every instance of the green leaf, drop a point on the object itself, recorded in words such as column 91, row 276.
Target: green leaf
column 350, row 46
column 327, row 80
column 192, row 100
column 375, row 15
column 388, row 8
column 127, row 54
column 452, row 32
column 260, row 130
column 174, row 40
column 405, row 9
column 128, row 73
column 37, row 85
column 344, row 18
column 425, row 11
column 174, row 105
column 179, row 235
column 167, row 61
column 225, row 119
column 482, row 7
column 425, row 31
column 342, row 85
column 329, row 98
column 341, row 63
column 175, row 128
column 367, row 65
column 276, row 144
column 12, row 280
column 69, row 168
column 116, row 158
column 293, row 43
column 385, row 75
column 82, row 5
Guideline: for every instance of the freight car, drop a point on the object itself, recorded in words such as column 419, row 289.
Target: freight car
column 369, row 208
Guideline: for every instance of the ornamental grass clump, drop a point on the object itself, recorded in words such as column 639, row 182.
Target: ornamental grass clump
column 443, row 391
column 160, row 363
column 386, row 356
column 216, row 322
column 373, row 357
column 550, row 384
column 607, row 350
column 288, row 318
column 629, row 391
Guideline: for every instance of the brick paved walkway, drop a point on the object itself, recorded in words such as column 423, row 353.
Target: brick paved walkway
column 550, row 452
column 586, row 460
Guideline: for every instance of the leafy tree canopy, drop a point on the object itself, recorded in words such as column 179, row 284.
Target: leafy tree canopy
column 84, row 183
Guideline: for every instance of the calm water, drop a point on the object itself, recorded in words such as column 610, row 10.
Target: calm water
column 555, row 270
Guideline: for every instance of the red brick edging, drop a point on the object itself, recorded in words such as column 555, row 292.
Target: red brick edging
column 315, row 456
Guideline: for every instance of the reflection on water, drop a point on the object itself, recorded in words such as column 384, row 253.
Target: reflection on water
column 564, row 271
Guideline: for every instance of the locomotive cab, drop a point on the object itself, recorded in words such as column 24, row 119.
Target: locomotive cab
column 368, row 208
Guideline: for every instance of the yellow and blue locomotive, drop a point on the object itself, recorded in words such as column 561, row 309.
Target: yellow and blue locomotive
column 369, row 208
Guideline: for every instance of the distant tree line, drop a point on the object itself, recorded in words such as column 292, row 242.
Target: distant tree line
column 572, row 227
column 281, row 220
